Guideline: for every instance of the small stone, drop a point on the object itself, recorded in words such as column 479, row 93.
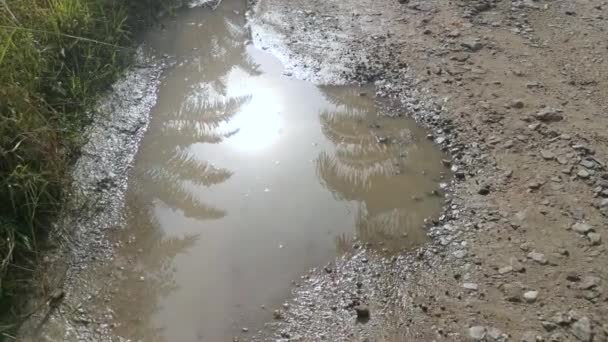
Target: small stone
column 581, row 329
column 477, row 333
column 589, row 164
column 505, row 269
column 531, row 296
column 277, row 314
column 459, row 254
column 547, row 155
column 538, row 257
column 583, row 174
column 549, row 326
column 594, row 238
column 561, row 319
column 512, row 291
column 548, row 115
column 470, row 286
column 472, row 45
column 494, row 334
column 582, row 228
column 589, row 282
column 245, row 329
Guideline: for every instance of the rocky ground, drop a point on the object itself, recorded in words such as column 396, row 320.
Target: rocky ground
column 517, row 93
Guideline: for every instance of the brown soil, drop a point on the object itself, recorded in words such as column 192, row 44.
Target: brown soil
column 523, row 88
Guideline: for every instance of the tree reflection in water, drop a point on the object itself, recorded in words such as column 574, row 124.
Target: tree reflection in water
column 193, row 107
column 365, row 167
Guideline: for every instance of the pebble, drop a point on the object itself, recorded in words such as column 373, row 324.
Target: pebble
column 470, row 286
column 472, row 45
column 589, row 282
column 505, row 269
column 581, row 329
column 538, row 257
column 547, row 155
column 477, row 333
column 582, row 228
column 531, row 296
column 583, row 174
column 594, row 238
column 460, row 253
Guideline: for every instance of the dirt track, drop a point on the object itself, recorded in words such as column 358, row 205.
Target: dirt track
column 517, row 92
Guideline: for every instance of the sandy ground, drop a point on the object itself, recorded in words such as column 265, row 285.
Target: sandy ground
column 517, row 93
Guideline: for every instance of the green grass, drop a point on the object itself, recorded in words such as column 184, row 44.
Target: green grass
column 56, row 57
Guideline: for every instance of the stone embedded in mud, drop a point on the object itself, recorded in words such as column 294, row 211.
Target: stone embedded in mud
column 472, row 45
column 538, row 257
column 589, row 282
column 582, row 228
column 581, row 329
column 594, row 238
column 477, row 333
column 505, row 269
column 470, row 286
column 547, row 155
column 531, row 296
column 549, row 115
column 583, row 174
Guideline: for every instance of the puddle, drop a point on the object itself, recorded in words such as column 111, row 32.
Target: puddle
column 247, row 178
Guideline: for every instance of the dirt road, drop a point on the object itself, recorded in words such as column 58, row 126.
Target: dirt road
column 516, row 92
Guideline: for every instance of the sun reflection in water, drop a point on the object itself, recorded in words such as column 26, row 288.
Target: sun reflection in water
column 259, row 123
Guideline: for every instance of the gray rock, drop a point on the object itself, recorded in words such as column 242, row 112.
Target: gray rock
column 505, row 269
column 590, row 164
column 583, row 174
column 531, row 296
column 594, row 238
column 472, row 45
column 538, row 257
column 547, row 155
column 477, row 333
column 495, row 335
column 459, row 254
column 561, row 318
column 512, row 291
column 548, row 115
column 470, row 286
column 589, row 282
column 581, row 329
column 582, row 228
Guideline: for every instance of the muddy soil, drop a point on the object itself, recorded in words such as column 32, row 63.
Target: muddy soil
column 515, row 92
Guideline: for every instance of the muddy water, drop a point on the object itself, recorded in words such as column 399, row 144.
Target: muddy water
column 248, row 178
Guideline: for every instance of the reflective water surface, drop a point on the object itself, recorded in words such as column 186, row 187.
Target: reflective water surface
column 247, row 178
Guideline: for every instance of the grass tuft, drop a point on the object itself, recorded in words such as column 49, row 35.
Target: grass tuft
column 56, row 56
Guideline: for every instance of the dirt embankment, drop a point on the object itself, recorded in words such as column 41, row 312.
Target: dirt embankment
column 516, row 92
